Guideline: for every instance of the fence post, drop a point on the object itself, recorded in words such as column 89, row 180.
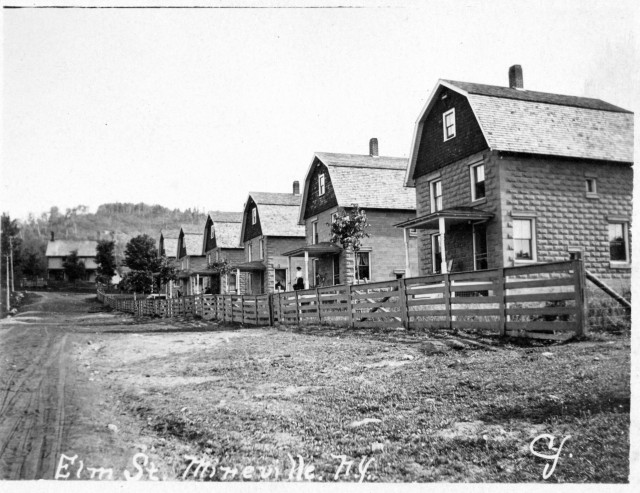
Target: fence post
column 242, row 309
column 270, row 307
column 349, row 305
column 297, row 308
column 501, row 294
column 318, row 306
column 447, row 299
column 280, row 308
column 581, row 297
column 404, row 306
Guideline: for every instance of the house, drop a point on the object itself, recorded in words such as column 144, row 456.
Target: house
column 168, row 247
column 376, row 184
column 221, row 241
column 58, row 251
column 505, row 176
column 269, row 228
column 191, row 264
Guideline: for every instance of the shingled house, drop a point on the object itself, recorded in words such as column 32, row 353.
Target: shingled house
column 507, row 176
column 191, row 264
column 221, row 242
column 376, row 184
column 269, row 228
column 58, row 251
column 168, row 247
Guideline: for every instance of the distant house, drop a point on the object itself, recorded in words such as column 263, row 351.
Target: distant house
column 507, row 176
column 58, row 251
column 269, row 228
column 375, row 183
column 192, row 265
column 168, row 247
column 221, row 241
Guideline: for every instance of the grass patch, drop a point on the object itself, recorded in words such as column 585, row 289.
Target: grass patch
column 456, row 415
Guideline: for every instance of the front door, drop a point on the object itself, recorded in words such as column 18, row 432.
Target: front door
column 336, row 270
column 480, row 254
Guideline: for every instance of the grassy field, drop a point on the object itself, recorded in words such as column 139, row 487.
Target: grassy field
column 424, row 407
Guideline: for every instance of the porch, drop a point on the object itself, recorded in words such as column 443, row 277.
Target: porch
column 458, row 239
column 324, row 251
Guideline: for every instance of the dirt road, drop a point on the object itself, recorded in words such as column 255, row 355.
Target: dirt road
column 44, row 401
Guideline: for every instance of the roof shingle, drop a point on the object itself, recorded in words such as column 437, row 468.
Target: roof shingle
column 63, row 248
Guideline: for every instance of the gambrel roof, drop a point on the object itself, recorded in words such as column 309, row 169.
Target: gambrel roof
column 225, row 217
column 372, row 182
column 227, row 234
column 518, row 120
column 63, row 248
column 192, row 239
column 170, row 240
column 278, row 214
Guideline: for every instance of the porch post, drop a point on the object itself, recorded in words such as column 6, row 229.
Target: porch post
column 237, row 281
column 289, row 281
column 306, row 270
column 407, row 269
column 197, row 283
column 443, row 266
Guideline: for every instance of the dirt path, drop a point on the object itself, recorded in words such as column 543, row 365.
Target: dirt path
column 38, row 384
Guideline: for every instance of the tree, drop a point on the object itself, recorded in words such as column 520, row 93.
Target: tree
column 106, row 260
column 33, row 262
column 148, row 271
column 11, row 242
column 348, row 229
column 73, row 267
column 141, row 254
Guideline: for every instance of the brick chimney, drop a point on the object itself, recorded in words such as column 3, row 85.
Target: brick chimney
column 373, row 147
column 515, row 77
column 296, row 187
column 52, row 238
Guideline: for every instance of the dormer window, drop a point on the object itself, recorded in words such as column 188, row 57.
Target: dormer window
column 321, row 184
column 449, row 124
column 254, row 215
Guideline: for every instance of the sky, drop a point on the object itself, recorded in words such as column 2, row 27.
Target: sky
column 198, row 107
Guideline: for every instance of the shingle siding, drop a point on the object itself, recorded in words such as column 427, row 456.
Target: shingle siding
column 251, row 230
column 317, row 203
column 434, row 152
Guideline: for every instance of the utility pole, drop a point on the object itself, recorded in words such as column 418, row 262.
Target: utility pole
column 13, row 288
column 8, row 302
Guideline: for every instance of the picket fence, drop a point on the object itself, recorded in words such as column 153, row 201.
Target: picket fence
column 545, row 301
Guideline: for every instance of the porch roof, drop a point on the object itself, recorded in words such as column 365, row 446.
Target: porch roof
column 252, row 266
column 453, row 214
column 316, row 250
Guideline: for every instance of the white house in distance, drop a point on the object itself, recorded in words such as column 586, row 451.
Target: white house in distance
column 58, row 251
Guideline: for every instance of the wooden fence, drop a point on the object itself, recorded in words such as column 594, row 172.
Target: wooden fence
column 540, row 301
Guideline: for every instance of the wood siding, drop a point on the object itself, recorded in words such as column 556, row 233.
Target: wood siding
column 434, row 152
column 317, row 203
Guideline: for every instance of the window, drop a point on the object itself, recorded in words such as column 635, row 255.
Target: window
column 364, row 266
column 449, row 124
column 211, row 230
column 334, row 216
column 261, row 244
column 314, row 233
column 436, row 254
column 590, row 187
column 436, row 196
column 618, row 242
column 249, row 251
column 523, row 239
column 217, row 255
column 413, row 232
column 477, row 182
column 321, row 184
column 254, row 215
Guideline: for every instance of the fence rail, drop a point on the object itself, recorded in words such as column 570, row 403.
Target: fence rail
column 545, row 301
